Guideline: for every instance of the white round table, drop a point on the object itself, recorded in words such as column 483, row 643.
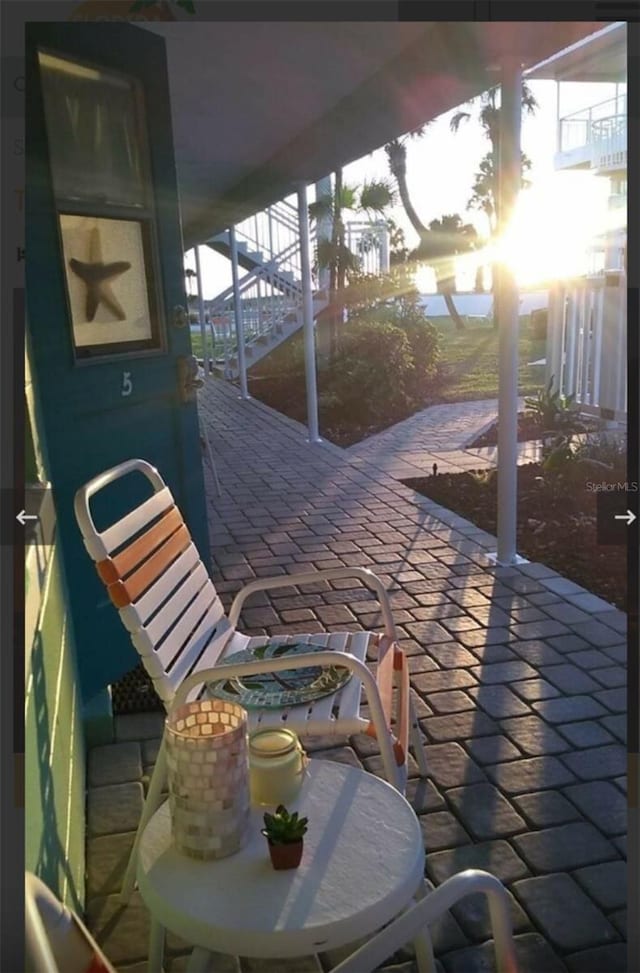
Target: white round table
column 363, row 863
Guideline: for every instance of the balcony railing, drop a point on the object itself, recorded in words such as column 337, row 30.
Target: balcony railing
column 600, row 131
column 586, row 342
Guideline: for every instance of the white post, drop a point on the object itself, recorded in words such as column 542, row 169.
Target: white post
column 307, row 312
column 226, row 329
column 385, row 262
column 203, row 329
column 509, row 175
column 237, row 313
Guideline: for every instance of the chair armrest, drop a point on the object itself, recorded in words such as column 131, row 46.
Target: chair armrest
column 430, row 908
column 393, row 669
column 328, row 657
column 309, row 577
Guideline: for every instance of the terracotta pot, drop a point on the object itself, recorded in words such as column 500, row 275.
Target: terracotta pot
column 286, row 856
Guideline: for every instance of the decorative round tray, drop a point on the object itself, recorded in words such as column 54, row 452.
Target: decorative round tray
column 288, row 687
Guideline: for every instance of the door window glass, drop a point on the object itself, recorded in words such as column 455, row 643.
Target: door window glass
column 94, row 143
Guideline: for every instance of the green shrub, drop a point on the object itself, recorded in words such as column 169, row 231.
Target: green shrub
column 369, row 378
column 424, row 341
column 610, row 451
column 550, row 408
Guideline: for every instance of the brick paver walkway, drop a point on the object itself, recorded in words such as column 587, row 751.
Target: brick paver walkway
column 438, row 435
column 518, row 676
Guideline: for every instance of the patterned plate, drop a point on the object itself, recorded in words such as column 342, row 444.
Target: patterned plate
column 276, row 689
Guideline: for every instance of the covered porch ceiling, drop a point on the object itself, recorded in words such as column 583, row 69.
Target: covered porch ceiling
column 258, row 107
column 604, row 58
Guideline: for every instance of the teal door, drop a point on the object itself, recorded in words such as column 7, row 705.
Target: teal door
column 105, row 296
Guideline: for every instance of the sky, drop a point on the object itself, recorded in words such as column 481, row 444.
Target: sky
column 557, row 215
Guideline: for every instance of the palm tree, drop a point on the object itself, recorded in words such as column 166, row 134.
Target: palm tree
column 484, row 188
column 448, row 237
column 484, row 195
column 441, row 240
column 489, row 114
column 371, row 199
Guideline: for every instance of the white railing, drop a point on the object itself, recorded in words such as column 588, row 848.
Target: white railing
column 271, row 293
column 274, row 234
column 609, row 139
column 587, row 342
column 370, row 243
column 601, row 129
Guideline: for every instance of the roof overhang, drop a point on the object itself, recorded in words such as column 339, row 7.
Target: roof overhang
column 602, row 57
column 259, row 107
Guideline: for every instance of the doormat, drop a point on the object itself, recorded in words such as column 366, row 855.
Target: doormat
column 134, row 693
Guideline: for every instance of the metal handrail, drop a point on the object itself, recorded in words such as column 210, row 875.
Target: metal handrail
column 579, row 129
column 587, row 113
column 267, row 295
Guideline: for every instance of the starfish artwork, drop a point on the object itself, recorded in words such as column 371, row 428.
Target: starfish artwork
column 97, row 277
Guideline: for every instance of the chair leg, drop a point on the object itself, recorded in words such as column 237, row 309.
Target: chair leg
column 206, row 445
column 156, row 947
column 417, row 743
column 200, row 961
column 151, row 804
column 425, row 960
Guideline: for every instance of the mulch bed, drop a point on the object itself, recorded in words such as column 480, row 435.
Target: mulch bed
column 287, row 395
column 556, row 523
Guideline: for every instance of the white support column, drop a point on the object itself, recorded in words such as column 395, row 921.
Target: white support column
column 307, row 311
column 509, row 177
column 203, row 329
column 237, row 313
column 226, row 326
column 385, row 262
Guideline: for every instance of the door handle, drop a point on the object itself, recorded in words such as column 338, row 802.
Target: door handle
column 188, row 379
column 180, row 316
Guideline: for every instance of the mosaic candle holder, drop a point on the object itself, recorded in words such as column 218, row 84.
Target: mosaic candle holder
column 208, row 770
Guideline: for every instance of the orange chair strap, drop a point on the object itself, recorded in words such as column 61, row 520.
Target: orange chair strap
column 115, row 569
column 123, row 593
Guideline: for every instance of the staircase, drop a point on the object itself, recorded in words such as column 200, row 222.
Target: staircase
column 268, row 247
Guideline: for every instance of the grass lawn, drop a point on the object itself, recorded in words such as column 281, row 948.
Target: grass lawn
column 469, row 360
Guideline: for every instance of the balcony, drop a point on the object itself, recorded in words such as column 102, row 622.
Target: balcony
column 594, row 138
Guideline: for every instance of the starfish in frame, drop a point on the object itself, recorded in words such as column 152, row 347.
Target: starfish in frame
column 97, row 275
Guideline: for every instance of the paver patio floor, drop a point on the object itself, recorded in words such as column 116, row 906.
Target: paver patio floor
column 518, row 676
column 440, row 435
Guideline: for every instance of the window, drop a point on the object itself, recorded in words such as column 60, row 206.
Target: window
column 100, row 175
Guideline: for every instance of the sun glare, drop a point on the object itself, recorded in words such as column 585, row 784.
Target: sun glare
column 553, row 226
column 555, row 222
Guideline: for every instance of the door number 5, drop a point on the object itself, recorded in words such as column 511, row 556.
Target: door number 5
column 127, row 384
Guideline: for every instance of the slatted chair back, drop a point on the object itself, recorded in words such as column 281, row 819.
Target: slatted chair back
column 156, row 579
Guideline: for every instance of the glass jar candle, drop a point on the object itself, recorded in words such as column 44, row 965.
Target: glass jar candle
column 277, row 763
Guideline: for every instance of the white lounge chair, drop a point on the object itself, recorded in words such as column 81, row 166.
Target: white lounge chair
column 56, row 941
column 166, row 600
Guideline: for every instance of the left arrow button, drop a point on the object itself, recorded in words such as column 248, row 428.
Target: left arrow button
column 22, row 517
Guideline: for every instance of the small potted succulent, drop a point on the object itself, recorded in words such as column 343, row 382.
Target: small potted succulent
column 284, row 832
